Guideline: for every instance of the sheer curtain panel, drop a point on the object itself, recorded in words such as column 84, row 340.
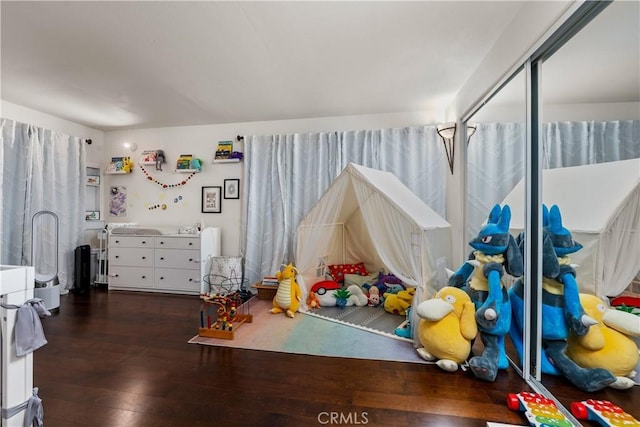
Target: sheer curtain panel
column 286, row 175
column 41, row 170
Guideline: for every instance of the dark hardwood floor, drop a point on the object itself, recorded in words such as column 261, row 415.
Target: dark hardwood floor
column 122, row 359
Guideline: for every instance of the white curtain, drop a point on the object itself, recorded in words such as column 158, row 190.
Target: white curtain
column 289, row 174
column 41, row 170
column 495, row 165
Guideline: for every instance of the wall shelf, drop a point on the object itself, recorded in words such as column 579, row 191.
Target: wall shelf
column 116, row 173
column 186, row 170
column 226, row 160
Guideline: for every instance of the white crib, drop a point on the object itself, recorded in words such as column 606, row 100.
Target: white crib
column 16, row 287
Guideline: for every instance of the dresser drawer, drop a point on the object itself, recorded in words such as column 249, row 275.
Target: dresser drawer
column 138, row 277
column 177, row 279
column 134, row 257
column 177, row 258
column 131, row 241
column 169, row 242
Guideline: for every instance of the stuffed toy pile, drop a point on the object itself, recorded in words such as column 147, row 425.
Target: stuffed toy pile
column 562, row 312
column 608, row 344
column 495, row 252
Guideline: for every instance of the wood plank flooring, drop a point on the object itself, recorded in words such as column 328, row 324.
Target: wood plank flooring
column 122, row 359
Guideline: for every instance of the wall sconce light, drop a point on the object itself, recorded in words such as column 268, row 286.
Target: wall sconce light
column 130, row 145
column 447, row 132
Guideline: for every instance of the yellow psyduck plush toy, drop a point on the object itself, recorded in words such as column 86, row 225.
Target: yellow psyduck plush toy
column 288, row 295
column 447, row 326
column 608, row 344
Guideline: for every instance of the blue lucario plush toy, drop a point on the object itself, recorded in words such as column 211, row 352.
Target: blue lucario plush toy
column 562, row 311
column 481, row 276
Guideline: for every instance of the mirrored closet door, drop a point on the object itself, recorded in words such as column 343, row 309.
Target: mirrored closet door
column 590, row 113
column 559, row 142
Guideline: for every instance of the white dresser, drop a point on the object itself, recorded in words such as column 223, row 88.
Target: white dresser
column 165, row 263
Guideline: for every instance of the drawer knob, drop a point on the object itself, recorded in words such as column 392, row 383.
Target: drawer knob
column 190, row 259
column 191, row 280
column 144, row 257
column 117, row 256
column 190, row 243
column 144, row 277
column 144, row 242
column 162, row 278
column 161, row 257
column 117, row 241
column 161, row 242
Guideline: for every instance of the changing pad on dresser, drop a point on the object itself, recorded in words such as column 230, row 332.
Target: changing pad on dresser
column 136, row 231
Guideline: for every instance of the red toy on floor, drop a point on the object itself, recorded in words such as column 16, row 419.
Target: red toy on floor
column 603, row 412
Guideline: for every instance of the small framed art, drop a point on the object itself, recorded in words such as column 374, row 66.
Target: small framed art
column 92, row 215
column 212, row 199
column 231, row 188
column 93, row 180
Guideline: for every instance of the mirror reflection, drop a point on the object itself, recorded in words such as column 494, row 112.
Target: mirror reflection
column 590, row 98
column 495, row 164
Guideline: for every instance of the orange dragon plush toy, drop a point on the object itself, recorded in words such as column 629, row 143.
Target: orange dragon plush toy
column 288, row 295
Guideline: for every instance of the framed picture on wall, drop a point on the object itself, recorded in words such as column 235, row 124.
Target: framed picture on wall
column 212, row 199
column 93, row 180
column 92, row 215
column 231, row 188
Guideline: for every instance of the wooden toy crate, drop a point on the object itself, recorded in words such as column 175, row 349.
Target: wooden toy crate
column 265, row 292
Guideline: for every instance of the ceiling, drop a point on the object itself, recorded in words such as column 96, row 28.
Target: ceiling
column 145, row 64
column 118, row 65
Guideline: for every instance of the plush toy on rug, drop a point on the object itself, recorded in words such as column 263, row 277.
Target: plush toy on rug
column 447, row 327
column 562, row 312
column 356, row 296
column 288, row 296
column 400, row 302
column 313, row 301
column 608, row 344
column 495, row 251
column 374, row 297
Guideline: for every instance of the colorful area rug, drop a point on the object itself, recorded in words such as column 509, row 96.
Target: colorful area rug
column 308, row 334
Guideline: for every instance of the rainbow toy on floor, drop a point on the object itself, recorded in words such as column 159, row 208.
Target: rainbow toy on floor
column 603, row 412
column 540, row 411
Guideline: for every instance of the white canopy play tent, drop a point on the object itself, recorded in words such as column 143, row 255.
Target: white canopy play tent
column 370, row 216
column 600, row 205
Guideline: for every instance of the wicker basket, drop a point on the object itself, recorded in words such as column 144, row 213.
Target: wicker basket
column 265, row 292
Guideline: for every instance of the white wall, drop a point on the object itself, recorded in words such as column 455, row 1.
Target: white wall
column 201, row 142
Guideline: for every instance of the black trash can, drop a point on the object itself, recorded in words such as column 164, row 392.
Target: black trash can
column 82, row 271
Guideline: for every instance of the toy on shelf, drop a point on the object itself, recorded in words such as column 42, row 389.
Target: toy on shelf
column 221, row 315
column 159, row 159
column 540, row 411
column 288, row 295
column 603, row 412
column 119, row 165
